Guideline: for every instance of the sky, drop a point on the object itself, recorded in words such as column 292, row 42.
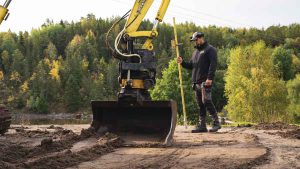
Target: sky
column 28, row 14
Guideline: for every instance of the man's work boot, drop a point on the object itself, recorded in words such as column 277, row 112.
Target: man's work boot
column 216, row 125
column 201, row 128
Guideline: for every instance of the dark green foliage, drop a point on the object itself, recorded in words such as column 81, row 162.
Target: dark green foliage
column 168, row 88
column 282, row 59
column 293, row 87
column 275, row 35
column 72, row 95
column 223, row 58
column 42, row 89
column 18, row 64
column 218, row 90
column 38, row 104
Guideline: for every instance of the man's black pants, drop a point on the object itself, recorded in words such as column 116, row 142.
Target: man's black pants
column 209, row 105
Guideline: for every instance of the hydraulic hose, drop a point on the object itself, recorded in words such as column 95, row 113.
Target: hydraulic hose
column 117, row 41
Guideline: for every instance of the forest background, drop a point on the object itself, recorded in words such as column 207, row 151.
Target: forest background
column 61, row 67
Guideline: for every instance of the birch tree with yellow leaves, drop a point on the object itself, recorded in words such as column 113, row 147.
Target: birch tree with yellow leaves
column 253, row 87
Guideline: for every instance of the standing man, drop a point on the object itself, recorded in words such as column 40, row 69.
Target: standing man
column 203, row 65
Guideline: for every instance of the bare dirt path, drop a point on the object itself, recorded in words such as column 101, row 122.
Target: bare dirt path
column 284, row 146
column 221, row 150
column 284, row 153
column 68, row 146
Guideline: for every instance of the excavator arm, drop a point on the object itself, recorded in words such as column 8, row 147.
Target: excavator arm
column 4, row 11
column 134, row 116
column 137, row 15
column 131, row 32
column 138, row 62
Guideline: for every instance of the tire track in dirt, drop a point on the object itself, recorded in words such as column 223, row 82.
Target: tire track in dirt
column 283, row 152
column 230, row 148
column 221, row 150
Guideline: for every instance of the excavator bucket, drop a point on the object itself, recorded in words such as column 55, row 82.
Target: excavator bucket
column 136, row 123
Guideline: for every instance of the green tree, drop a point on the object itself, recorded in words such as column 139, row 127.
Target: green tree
column 293, row 31
column 41, row 89
column 293, row 87
column 5, row 61
column 230, row 40
column 73, row 73
column 162, row 62
column 79, row 49
column 275, row 35
column 59, row 37
column 51, row 51
column 91, row 47
column 168, row 88
column 282, row 59
column 296, row 65
column 18, row 63
column 98, row 88
column 254, row 91
column 293, row 44
column 218, row 92
column 72, row 95
column 111, row 79
column 8, row 42
column 40, row 41
column 223, row 58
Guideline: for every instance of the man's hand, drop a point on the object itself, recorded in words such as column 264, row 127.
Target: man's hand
column 208, row 82
column 179, row 60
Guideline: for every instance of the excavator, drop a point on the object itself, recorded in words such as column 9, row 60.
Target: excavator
column 134, row 116
column 5, row 116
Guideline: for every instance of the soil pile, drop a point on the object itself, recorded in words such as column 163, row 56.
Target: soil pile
column 53, row 148
column 275, row 126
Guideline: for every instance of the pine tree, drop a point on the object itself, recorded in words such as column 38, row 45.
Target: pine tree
column 72, row 96
column 18, row 63
column 51, row 52
column 5, row 61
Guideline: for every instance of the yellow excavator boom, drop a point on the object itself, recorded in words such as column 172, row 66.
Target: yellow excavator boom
column 136, row 17
column 4, row 11
column 162, row 10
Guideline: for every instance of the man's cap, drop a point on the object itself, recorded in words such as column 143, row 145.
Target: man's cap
column 197, row 35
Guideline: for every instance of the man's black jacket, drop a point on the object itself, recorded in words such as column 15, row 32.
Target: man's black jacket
column 203, row 63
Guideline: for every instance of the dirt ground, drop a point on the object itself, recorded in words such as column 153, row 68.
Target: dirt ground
column 74, row 146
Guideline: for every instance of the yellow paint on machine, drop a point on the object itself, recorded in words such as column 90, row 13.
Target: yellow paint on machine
column 136, row 83
column 3, row 13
